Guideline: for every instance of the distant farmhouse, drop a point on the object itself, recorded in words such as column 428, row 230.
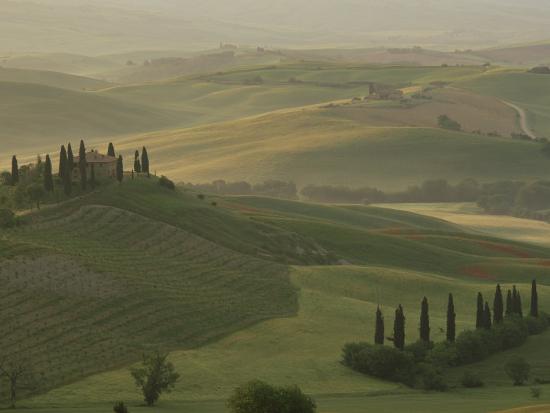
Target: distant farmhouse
column 104, row 166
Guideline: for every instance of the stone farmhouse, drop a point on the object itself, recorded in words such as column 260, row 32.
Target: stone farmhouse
column 104, row 166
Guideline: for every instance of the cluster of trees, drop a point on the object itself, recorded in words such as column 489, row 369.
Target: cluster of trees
column 422, row 362
column 272, row 188
column 445, row 122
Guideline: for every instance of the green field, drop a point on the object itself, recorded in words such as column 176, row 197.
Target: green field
column 135, row 267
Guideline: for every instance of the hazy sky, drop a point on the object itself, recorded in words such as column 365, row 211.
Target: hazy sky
column 101, row 26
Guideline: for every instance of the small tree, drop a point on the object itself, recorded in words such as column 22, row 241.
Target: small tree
column 487, row 324
column 498, row 306
column 14, row 171
column 509, row 304
column 82, row 165
column 379, row 328
column 518, row 369
column 111, row 150
column 36, row 193
column 424, row 321
column 451, row 320
column 17, row 376
column 137, row 163
column 65, row 172
column 534, row 311
column 70, row 158
column 48, row 175
column 399, row 328
column 480, row 311
column 62, row 161
column 120, row 407
column 155, row 376
column 145, row 161
column 119, row 169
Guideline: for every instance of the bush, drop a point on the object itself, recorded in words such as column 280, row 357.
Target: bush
column 419, row 350
column 167, row 183
column 518, row 369
column 119, row 407
column 7, row 218
column 446, row 122
column 471, row 380
column 432, row 378
column 536, row 325
column 260, row 397
column 443, row 354
column 536, row 392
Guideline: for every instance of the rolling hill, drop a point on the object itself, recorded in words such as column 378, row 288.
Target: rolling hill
column 53, row 79
column 138, row 267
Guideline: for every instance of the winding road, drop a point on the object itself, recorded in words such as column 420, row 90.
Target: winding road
column 522, row 120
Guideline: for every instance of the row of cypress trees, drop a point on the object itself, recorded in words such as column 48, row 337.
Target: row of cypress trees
column 141, row 165
column 484, row 319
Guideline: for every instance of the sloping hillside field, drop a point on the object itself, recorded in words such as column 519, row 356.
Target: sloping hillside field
column 92, row 283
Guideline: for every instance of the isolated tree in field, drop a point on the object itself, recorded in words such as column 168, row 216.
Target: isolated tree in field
column 92, row 176
column 48, row 175
column 534, row 311
column 70, row 158
column 65, row 172
column 498, row 306
column 451, row 320
column 18, row 376
column 119, row 169
column 36, row 193
column 111, row 150
column 509, row 304
column 424, row 321
column 518, row 369
column 399, row 328
column 137, row 163
column 82, row 165
column 145, row 161
column 487, row 324
column 379, row 328
column 156, row 376
column 480, row 311
column 14, row 170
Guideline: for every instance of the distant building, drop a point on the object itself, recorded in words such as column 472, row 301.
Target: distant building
column 104, row 165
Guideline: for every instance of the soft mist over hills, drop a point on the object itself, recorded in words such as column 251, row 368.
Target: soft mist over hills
column 98, row 27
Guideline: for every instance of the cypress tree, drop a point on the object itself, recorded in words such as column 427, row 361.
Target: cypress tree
column 399, row 328
column 534, row 311
column 70, row 158
column 516, row 302
column 14, row 170
column 119, row 169
column 145, row 161
column 424, row 321
column 137, row 163
column 92, row 176
column 379, row 328
column 480, row 311
column 498, row 306
column 487, row 316
column 451, row 320
column 519, row 306
column 65, row 172
column 82, row 165
column 48, row 175
column 509, row 304
column 111, row 150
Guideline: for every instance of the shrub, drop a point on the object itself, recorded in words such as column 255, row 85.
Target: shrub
column 518, row 369
column 119, row 407
column 419, row 350
column 536, row 392
column 443, row 354
column 432, row 378
column 536, row 325
column 7, row 218
column 167, row 183
column 200, row 196
column 470, row 347
column 446, row 122
column 260, row 397
column 471, row 380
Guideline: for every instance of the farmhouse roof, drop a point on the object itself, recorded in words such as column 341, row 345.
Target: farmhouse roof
column 96, row 157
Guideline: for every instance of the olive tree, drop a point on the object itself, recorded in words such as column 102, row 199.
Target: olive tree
column 155, row 376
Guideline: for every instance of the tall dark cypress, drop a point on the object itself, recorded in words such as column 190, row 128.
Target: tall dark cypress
column 399, row 328
column 498, row 306
column 14, row 171
column 451, row 320
column 82, row 166
column 137, row 163
column 379, row 328
column 48, row 175
column 145, row 161
column 424, row 321
column 480, row 311
column 509, row 304
column 70, row 158
column 487, row 316
column 516, row 302
column 534, row 311
column 65, row 172
column 119, row 169
column 519, row 306
column 111, row 150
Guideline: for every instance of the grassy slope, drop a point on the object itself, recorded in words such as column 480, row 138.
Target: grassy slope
column 53, row 79
column 336, row 302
